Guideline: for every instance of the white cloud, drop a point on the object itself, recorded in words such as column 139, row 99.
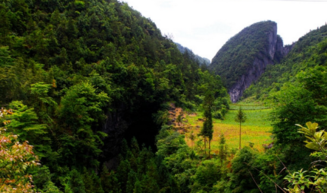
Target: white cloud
column 204, row 26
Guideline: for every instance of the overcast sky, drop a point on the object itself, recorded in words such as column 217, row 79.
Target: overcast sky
column 205, row 26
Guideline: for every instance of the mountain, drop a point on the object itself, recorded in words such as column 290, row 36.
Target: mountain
column 307, row 52
column 80, row 76
column 244, row 57
column 201, row 60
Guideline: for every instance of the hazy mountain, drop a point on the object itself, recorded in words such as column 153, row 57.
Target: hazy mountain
column 201, row 60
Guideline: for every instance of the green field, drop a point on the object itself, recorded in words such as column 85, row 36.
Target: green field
column 255, row 130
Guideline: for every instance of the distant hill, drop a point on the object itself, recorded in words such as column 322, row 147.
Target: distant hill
column 244, row 57
column 201, row 60
column 308, row 51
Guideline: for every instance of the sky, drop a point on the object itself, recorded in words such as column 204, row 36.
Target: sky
column 205, row 26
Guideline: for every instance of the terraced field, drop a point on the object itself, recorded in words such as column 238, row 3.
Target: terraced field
column 255, row 130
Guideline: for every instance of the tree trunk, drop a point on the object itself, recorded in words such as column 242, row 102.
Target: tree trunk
column 193, row 145
column 205, row 145
column 240, row 135
column 209, row 147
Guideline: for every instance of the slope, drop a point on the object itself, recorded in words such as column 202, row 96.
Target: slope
column 308, row 51
column 245, row 56
column 94, row 72
column 201, row 60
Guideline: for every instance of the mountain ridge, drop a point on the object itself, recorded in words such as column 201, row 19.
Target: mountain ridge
column 245, row 56
column 300, row 57
column 201, row 60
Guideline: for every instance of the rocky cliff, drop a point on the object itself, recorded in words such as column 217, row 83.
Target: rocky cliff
column 244, row 58
column 275, row 52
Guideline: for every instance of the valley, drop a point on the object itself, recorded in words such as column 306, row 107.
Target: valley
column 94, row 98
column 256, row 129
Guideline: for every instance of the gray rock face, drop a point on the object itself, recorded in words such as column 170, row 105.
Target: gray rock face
column 259, row 66
column 274, row 53
column 272, row 39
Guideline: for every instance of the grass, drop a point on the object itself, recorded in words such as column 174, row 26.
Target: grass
column 255, row 130
column 248, row 107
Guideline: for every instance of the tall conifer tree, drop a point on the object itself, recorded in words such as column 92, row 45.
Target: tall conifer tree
column 240, row 118
column 207, row 129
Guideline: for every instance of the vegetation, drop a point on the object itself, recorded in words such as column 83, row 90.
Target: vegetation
column 317, row 180
column 256, row 130
column 202, row 61
column 299, row 102
column 15, row 159
column 207, row 130
column 308, row 52
column 239, row 52
column 240, row 118
column 80, row 76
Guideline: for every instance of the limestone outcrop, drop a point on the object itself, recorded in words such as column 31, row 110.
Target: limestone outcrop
column 274, row 54
column 245, row 57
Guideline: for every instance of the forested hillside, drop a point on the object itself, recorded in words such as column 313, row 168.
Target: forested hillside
column 237, row 55
column 244, row 57
column 295, row 89
column 201, row 60
column 308, row 51
column 93, row 99
column 76, row 78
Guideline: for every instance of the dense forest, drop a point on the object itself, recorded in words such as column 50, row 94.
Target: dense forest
column 296, row 91
column 77, row 77
column 88, row 90
column 308, row 51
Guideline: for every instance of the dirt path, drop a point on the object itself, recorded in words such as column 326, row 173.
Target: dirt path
column 178, row 119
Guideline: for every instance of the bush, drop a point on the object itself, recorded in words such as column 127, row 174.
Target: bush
column 217, row 115
column 79, row 5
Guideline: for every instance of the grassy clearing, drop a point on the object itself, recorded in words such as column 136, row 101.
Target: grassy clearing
column 256, row 129
column 248, row 107
column 257, row 117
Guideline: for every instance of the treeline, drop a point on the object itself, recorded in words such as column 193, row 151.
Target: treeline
column 295, row 161
column 79, row 76
column 296, row 90
column 307, row 52
column 201, row 60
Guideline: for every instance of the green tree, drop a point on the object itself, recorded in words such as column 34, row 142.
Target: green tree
column 75, row 181
column 222, row 149
column 81, row 107
column 5, row 57
column 240, row 118
column 207, row 129
column 135, row 147
column 192, row 138
column 137, row 187
column 24, row 122
column 109, row 181
column 206, row 176
column 122, row 173
column 132, row 178
column 92, row 182
column 179, row 119
column 316, row 178
column 16, row 158
column 42, row 180
column 242, row 165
